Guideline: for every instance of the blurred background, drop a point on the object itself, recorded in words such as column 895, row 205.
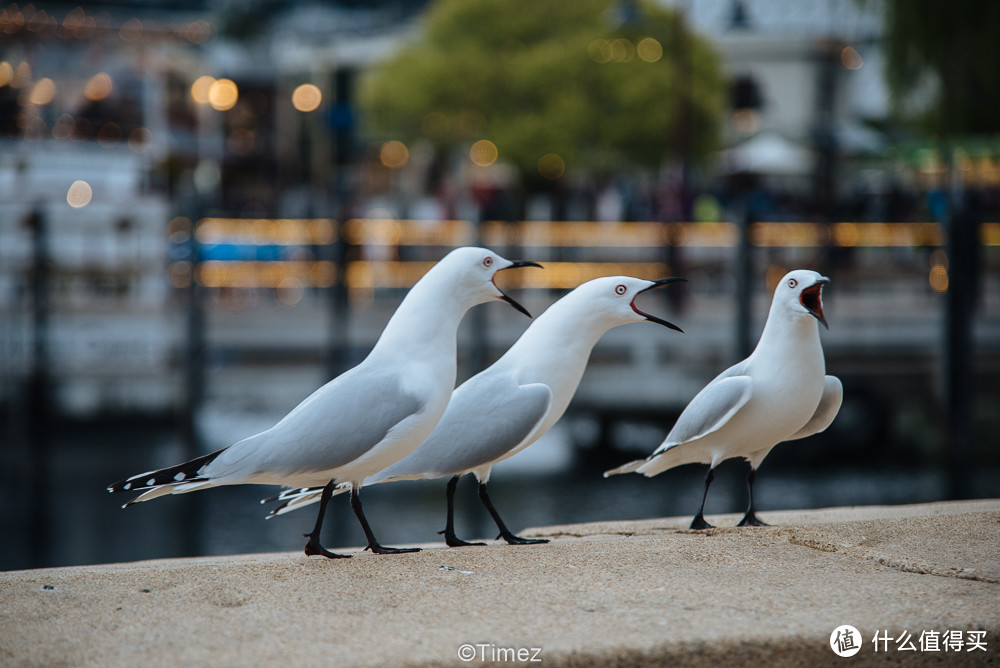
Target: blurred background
column 208, row 208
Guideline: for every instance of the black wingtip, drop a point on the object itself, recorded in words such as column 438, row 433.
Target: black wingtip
column 185, row 472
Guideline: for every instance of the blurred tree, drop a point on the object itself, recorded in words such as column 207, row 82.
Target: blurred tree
column 953, row 47
column 601, row 84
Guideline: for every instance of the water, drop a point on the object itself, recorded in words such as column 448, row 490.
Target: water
column 550, row 483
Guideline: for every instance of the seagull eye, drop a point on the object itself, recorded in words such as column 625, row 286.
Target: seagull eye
column 621, row 289
column 792, row 282
column 488, row 261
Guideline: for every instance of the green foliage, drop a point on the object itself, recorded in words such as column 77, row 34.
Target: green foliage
column 956, row 45
column 531, row 76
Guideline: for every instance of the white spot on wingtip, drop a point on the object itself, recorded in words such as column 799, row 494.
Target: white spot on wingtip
column 179, row 477
column 127, row 485
column 151, row 482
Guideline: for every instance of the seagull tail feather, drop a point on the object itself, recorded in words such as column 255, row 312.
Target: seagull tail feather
column 293, row 499
column 626, row 468
column 173, row 479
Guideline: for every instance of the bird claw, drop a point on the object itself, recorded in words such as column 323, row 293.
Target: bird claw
column 751, row 520
column 381, row 549
column 699, row 523
column 513, row 539
column 313, row 549
column 451, row 540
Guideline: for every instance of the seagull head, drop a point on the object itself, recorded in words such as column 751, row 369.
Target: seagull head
column 613, row 298
column 802, row 291
column 474, row 271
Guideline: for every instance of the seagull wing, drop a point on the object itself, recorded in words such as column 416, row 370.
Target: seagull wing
column 332, row 427
column 829, row 406
column 487, row 418
column 710, row 410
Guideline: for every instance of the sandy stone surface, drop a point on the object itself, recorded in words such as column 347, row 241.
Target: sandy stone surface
column 618, row 593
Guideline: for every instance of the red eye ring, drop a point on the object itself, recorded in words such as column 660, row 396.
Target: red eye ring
column 488, row 261
column 792, row 283
column 620, row 289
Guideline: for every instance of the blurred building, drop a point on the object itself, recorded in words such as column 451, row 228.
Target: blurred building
column 85, row 123
column 807, row 88
column 121, row 123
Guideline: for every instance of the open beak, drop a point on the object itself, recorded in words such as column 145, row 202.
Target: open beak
column 812, row 299
column 652, row 318
column 503, row 295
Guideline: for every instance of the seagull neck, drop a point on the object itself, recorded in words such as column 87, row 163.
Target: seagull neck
column 784, row 333
column 429, row 315
column 560, row 339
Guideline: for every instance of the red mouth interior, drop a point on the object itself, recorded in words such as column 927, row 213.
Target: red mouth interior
column 812, row 299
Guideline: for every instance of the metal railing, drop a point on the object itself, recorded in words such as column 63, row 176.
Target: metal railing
column 389, row 253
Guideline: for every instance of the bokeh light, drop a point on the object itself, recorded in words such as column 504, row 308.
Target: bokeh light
column 99, row 87
column 307, row 97
column 131, row 31
column 223, row 94
column 599, row 51
column 851, row 59
column 622, row 50
column 109, row 134
column 6, row 73
column 180, row 274
column 938, row 278
column 649, row 50
column 63, row 127
column 79, row 194
column 200, row 88
column 290, row 291
column 551, row 166
column 43, row 92
column 22, row 74
column 484, row 153
column 197, row 31
column 394, row 154
column 138, row 139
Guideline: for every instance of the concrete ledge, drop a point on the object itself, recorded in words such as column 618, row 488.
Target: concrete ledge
column 616, row 593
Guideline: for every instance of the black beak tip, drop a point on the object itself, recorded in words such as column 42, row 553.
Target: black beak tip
column 652, row 318
column 505, row 297
column 665, row 323
column 667, row 281
column 523, row 263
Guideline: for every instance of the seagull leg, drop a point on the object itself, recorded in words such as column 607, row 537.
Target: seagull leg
column 751, row 519
column 504, row 531
column 449, row 528
column 373, row 544
column 313, row 547
column 699, row 520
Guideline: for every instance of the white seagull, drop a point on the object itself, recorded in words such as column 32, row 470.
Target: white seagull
column 511, row 404
column 366, row 418
column 780, row 393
